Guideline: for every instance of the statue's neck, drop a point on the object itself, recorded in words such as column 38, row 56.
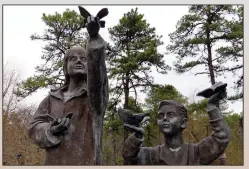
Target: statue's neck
column 174, row 141
column 76, row 83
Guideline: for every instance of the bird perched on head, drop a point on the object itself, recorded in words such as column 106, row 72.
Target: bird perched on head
column 133, row 119
column 101, row 14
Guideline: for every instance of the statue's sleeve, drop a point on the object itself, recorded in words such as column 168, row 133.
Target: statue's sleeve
column 134, row 154
column 39, row 127
column 97, row 74
column 210, row 148
column 97, row 84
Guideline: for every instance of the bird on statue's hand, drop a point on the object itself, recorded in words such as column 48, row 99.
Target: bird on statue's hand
column 212, row 90
column 133, row 119
column 101, row 14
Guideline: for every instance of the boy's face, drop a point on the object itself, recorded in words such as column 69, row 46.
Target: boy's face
column 170, row 120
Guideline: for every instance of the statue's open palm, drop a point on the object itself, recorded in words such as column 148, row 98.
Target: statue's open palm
column 139, row 131
column 59, row 125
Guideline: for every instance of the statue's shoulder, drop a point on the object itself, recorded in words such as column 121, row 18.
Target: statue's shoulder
column 45, row 102
column 56, row 93
column 52, row 93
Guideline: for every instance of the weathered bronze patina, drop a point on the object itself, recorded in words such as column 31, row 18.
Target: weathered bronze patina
column 69, row 122
column 172, row 120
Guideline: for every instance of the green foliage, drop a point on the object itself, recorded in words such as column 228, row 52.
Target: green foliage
column 134, row 105
column 32, row 84
column 200, row 107
column 233, row 51
column 131, row 58
column 235, row 149
column 61, row 33
column 198, row 33
column 113, row 132
column 233, row 120
column 163, row 92
column 133, row 54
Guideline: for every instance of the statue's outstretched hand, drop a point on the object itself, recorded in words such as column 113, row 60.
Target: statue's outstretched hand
column 214, row 99
column 138, row 130
column 92, row 25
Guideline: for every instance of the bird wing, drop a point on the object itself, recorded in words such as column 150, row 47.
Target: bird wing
column 146, row 118
column 220, row 87
column 84, row 12
column 102, row 13
column 141, row 114
column 139, row 117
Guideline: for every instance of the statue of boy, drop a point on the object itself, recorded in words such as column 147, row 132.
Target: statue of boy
column 172, row 120
column 75, row 139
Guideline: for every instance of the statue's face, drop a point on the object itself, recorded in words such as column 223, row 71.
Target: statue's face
column 170, row 120
column 77, row 63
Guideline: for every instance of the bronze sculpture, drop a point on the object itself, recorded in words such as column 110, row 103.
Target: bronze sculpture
column 172, row 120
column 76, row 138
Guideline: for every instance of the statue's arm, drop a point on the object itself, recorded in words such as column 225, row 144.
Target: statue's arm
column 212, row 147
column 131, row 149
column 134, row 154
column 39, row 127
column 97, row 74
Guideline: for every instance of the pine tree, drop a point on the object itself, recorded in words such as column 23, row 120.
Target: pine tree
column 133, row 55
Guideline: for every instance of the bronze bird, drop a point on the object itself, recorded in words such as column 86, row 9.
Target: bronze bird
column 51, row 118
column 101, row 14
column 133, row 119
column 212, row 90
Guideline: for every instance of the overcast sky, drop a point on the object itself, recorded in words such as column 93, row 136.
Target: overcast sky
column 19, row 22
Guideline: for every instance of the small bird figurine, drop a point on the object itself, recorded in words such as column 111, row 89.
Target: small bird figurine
column 101, row 14
column 133, row 119
column 51, row 118
column 212, row 90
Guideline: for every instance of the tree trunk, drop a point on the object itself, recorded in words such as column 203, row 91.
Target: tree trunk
column 126, row 106
column 210, row 62
column 212, row 77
